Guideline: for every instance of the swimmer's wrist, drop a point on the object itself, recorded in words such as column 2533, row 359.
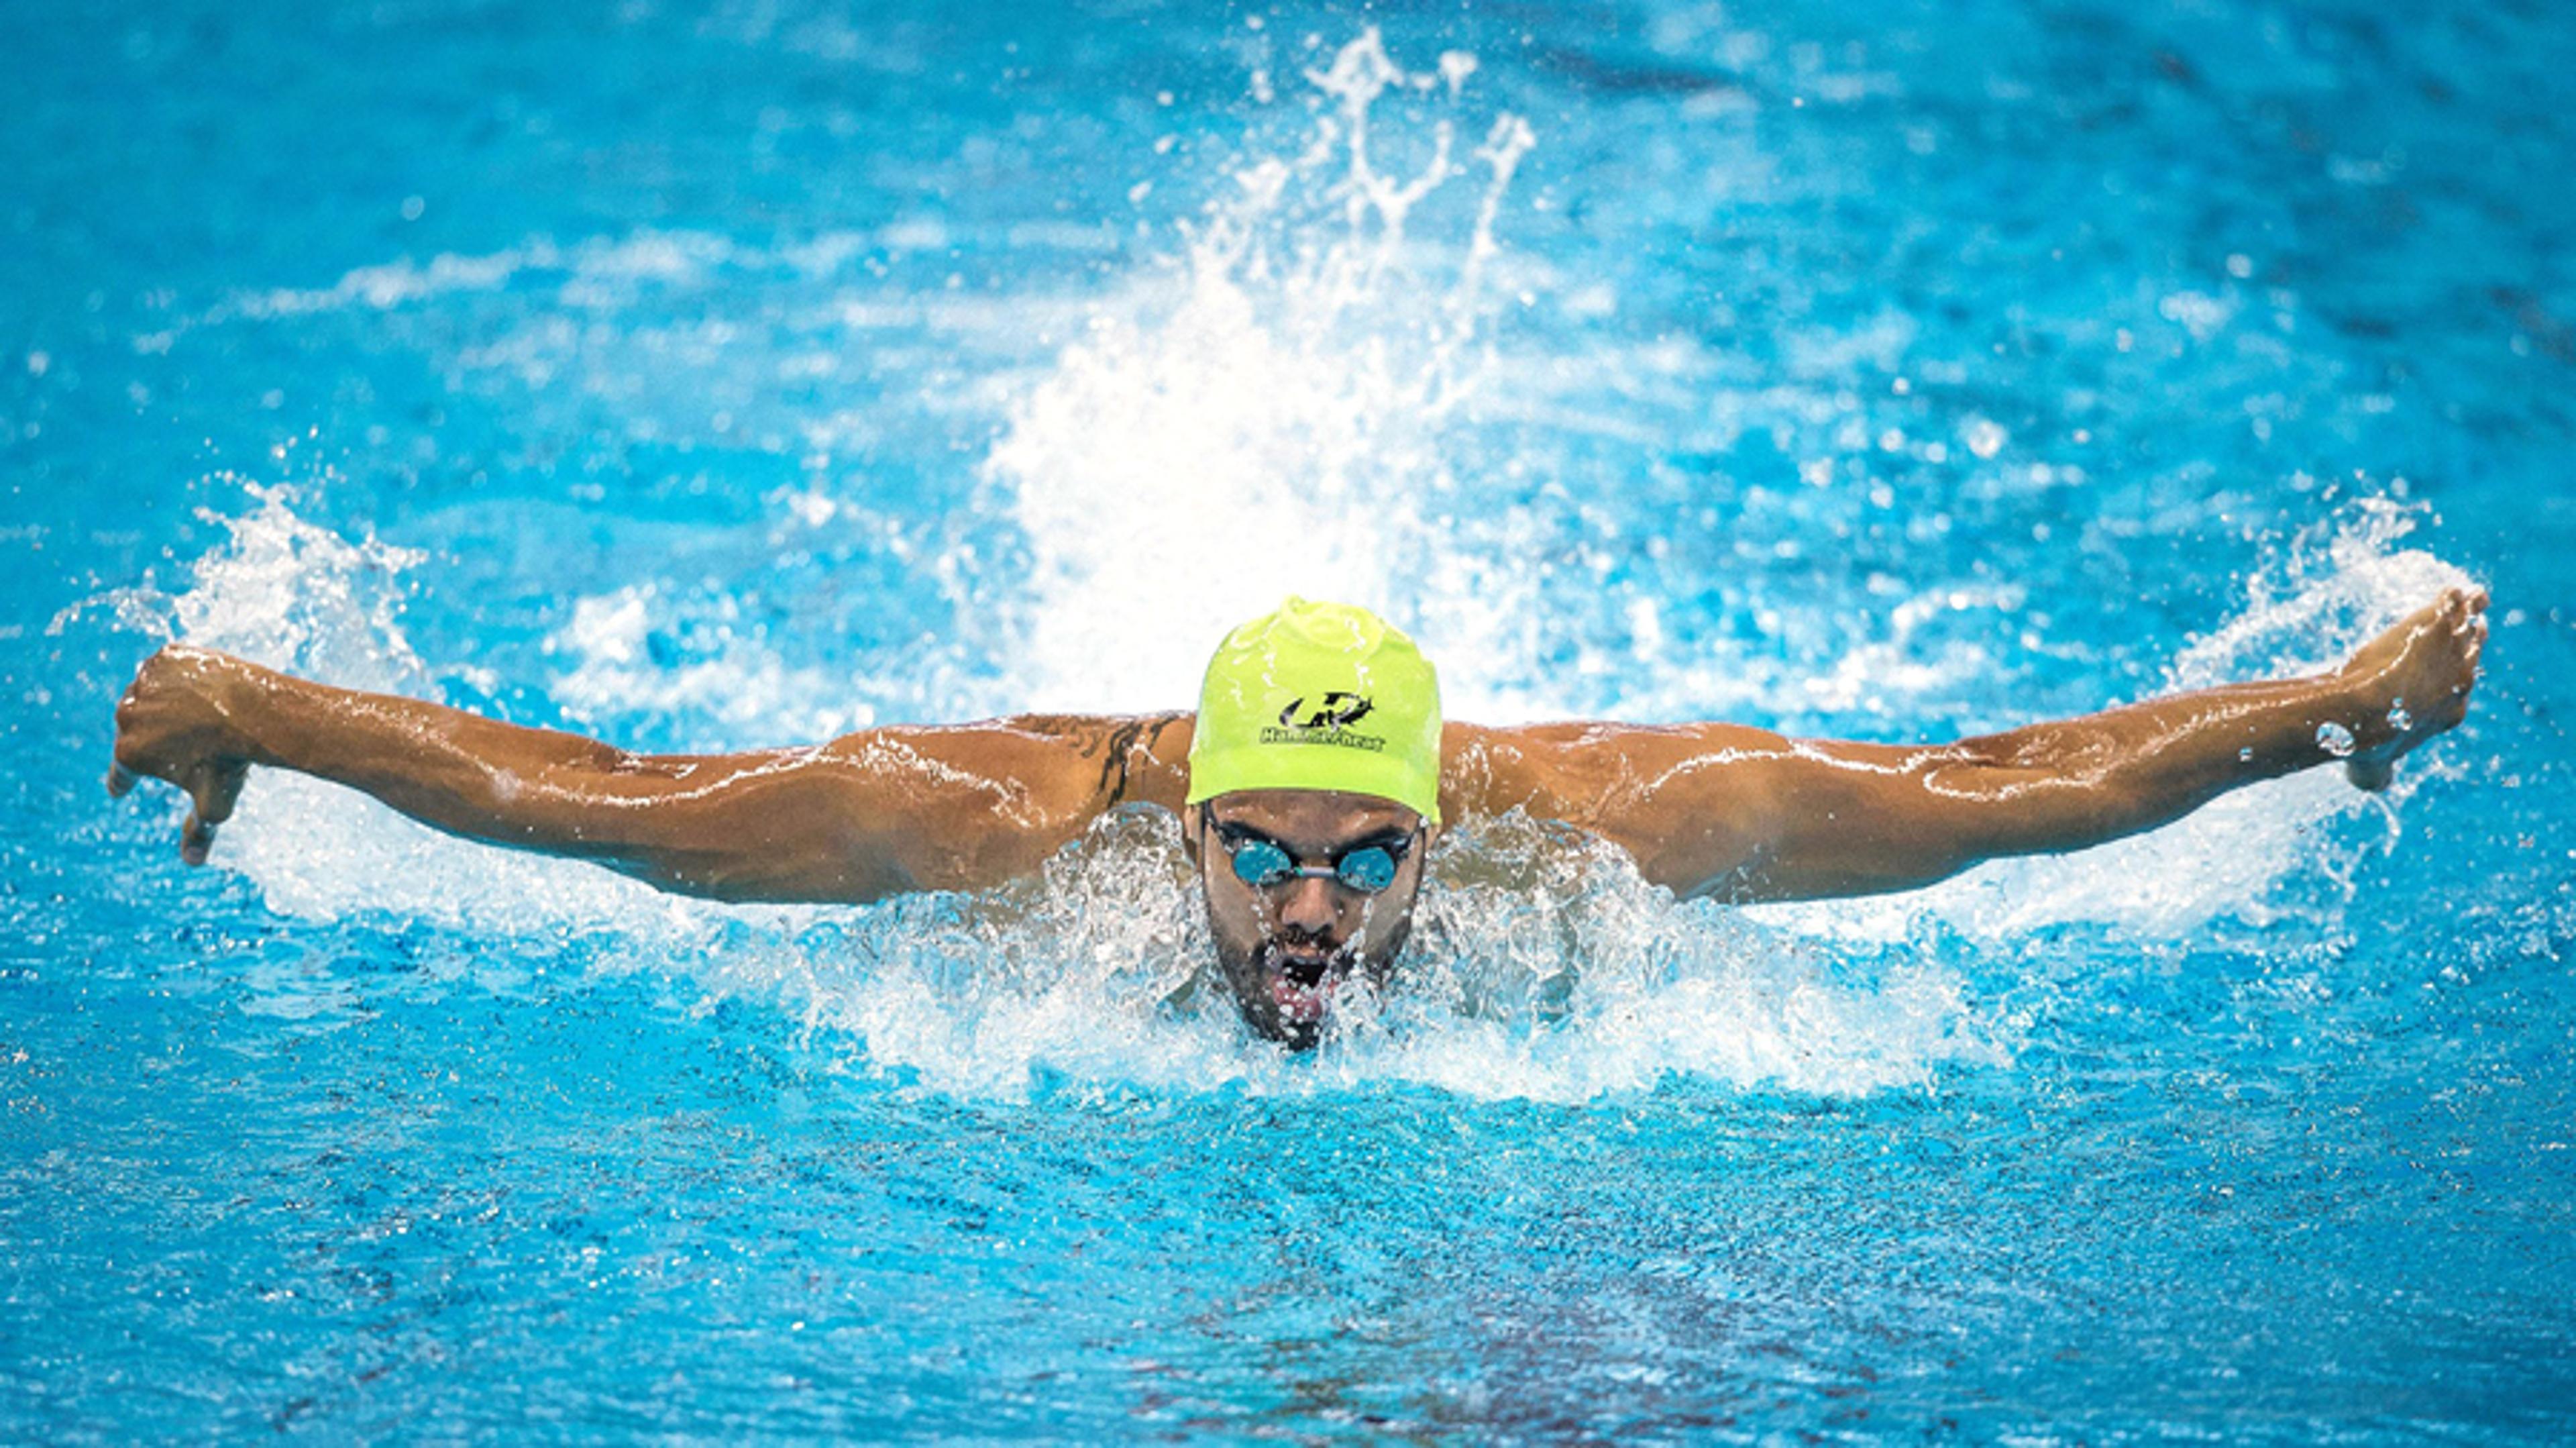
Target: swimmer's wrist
column 2353, row 719
column 276, row 720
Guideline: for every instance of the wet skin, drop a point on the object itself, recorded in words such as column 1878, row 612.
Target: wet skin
column 1288, row 950
column 1705, row 809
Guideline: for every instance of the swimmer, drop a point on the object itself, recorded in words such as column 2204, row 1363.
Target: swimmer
column 1309, row 785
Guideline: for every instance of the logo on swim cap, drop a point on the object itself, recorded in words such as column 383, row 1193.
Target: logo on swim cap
column 1286, row 694
column 1337, row 711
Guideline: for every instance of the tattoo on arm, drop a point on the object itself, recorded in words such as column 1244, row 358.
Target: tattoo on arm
column 1119, row 741
column 1122, row 750
column 1112, row 742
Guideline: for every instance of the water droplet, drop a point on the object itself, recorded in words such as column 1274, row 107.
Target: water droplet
column 2334, row 739
column 2399, row 718
column 2245, row 755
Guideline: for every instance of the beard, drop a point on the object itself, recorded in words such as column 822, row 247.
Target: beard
column 1285, row 985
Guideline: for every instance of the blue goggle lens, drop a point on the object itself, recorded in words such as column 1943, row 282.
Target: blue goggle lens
column 1262, row 864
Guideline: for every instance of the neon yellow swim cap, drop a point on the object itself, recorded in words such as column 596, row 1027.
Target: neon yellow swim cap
column 1319, row 696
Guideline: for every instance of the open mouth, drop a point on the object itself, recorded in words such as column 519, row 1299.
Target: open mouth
column 1302, row 981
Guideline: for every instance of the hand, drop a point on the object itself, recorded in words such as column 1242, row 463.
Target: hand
column 2416, row 677
column 177, row 723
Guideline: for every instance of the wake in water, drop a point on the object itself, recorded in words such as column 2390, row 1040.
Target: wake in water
column 1542, row 966
column 1278, row 409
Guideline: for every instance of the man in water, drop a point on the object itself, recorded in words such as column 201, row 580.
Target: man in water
column 1309, row 785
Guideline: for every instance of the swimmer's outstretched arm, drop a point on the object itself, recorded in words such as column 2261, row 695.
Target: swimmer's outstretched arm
column 1743, row 814
column 872, row 814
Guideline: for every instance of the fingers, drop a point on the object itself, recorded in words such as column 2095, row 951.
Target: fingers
column 170, row 726
column 196, row 839
column 212, row 792
column 217, row 788
column 2457, row 623
column 2469, row 620
column 2465, row 609
column 2430, row 659
column 120, row 775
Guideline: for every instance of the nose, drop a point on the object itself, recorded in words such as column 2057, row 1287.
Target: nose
column 1307, row 905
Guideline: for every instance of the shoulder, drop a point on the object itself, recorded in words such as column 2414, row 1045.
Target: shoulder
column 1572, row 769
column 1106, row 759
column 1689, row 802
column 967, row 805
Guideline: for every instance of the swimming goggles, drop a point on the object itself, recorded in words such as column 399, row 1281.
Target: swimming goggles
column 1262, row 862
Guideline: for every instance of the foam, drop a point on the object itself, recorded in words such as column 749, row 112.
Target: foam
column 1544, row 968
column 1274, row 399
column 1288, row 394
column 745, row 688
column 2340, row 582
column 288, row 593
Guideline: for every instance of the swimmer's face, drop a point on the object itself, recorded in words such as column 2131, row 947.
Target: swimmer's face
column 1288, row 949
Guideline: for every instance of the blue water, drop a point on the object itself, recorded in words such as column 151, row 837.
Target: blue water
column 713, row 376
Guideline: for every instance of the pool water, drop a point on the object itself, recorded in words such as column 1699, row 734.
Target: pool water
column 713, row 376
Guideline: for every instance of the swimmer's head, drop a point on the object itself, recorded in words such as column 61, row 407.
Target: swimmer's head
column 1314, row 791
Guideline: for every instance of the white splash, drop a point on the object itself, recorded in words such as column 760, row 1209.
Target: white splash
column 1273, row 401
column 1276, row 398
column 2342, row 581
column 290, row 594
column 293, row 595
column 611, row 671
column 1543, row 967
